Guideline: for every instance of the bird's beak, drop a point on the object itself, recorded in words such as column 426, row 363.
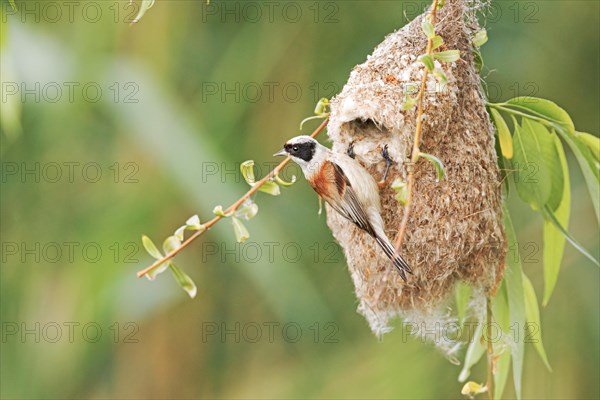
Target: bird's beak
column 281, row 152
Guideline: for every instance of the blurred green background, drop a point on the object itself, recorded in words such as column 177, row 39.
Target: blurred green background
column 159, row 117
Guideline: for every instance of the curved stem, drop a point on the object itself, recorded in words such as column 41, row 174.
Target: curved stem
column 417, row 141
column 232, row 208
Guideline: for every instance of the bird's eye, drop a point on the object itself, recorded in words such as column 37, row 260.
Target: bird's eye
column 295, row 148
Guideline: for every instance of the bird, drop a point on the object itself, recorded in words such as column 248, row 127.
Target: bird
column 347, row 187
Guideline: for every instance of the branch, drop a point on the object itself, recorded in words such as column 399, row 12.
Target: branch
column 229, row 210
column 418, row 132
column 490, row 351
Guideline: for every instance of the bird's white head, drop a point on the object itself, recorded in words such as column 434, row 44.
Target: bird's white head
column 306, row 152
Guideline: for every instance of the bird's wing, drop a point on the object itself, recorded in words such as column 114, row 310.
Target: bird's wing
column 333, row 185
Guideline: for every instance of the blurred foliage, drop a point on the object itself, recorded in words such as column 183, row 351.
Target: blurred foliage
column 178, row 63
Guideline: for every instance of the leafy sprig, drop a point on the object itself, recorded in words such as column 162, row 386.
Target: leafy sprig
column 243, row 209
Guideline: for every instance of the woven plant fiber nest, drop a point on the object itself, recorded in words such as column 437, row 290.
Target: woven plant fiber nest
column 455, row 230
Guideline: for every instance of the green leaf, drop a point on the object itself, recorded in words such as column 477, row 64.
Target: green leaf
column 271, row 188
column 193, row 222
column 588, row 167
column 248, row 210
column 247, row 170
column 549, row 154
column 12, row 5
column 427, row 60
column 322, row 108
column 144, row 6
column 151, row 247
column 183, row 280
column 549, row 215
column 462, row 295
column 504, row 136
column 473, row 354
column 501, row 314
column 436, row 42
column 439, row 166
column 401, row 189
column 544, row 108
column 179, row 232
column 171, row 244
column 240, row 231
column 218, row 211
column 533, row 317
column 532, row 176
column 428, row 28
column 592, row 142
column 554, row 241
column 447, row 56
column 283, row 182
column 480, row 38
column 513, row 277
column 151, row 275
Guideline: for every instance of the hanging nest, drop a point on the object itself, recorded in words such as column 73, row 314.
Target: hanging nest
column 455, row 230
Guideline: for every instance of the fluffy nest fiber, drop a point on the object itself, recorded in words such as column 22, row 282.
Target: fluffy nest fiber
column 455, row 230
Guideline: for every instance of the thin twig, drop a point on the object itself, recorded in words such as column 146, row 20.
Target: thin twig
column 490, row 351
column 229, row 210
column 417, row 141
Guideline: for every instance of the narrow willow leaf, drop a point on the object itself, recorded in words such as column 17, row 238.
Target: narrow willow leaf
column 544, row 108
column 502, row 372
column 144, row 6
column 436, row 42
column 240, row 231
column 183, row 280
column 588, row 167
column 447, row 56
column 218, row 211
column 513, row 277
column 283, row 182
column 179, row 232
column 531, row 176
column 473, row 354
column 151, row 247
column 442, row 79
column 427, row 60
column 248, row 210
column 549, row 155
column 592, row 142
column 193, row 222
column 171, row 244
column 271, row 188
column 480, row 38
column 533, row 317
column 462, row 295
column 472, row 389
column 12, row 5
column 502, row 352
column 504, row 136
column 401, row 189
column 151, row 275
column 439, row 166
column 428, row 28
column 549, row 215
column 554, row 241
column 247, row 170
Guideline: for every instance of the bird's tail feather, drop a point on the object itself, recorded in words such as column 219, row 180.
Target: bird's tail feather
column 399, row 262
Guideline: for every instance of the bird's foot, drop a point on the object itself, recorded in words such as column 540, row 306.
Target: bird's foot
column 388, row 162
column 350, row 150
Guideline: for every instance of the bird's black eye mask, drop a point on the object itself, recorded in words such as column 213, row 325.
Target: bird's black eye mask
column 304, row 150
